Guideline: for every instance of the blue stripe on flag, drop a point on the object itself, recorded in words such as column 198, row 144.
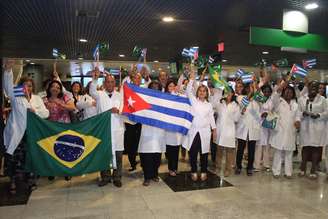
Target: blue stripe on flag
column 157, row 123
column 158, row 94
column 172, row 112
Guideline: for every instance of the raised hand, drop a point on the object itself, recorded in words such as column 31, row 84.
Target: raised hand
column 9, row 64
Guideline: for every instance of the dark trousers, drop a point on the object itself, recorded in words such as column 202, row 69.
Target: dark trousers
column 172, row 152
column 240, row 153
column 150, row 163
column 312, row 154
column 106, row 175
column 131, row 141
column 213, row 151
column 196, row 147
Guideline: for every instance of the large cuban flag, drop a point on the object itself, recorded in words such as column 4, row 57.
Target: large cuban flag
column 154, row 108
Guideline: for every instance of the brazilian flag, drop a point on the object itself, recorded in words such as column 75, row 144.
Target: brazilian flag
column 59, row 149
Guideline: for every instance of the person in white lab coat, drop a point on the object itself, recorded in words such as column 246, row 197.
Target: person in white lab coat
column 248, row 132
column 151, row 146
column 110, row 99
column 263, row 148
column 16, row 124
column 198, row 139
column 86, row 104
column 323, row 92
column 313, row 123
column 282, row 138
column 173, row 139
column 132, row 132
column 228, row 115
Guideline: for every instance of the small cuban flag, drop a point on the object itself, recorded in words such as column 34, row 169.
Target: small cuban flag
column 247, row 78
column 19, row 91
column 298, row 71
column 96, row 52
column 55, row 53
column 244, row 102
column 193, row 52
column 185, row 52
column 310, row 63
column 210, row 60
column 240, row 72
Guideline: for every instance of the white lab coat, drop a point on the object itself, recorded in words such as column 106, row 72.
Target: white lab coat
column 249, row 123
column 16, row 124
column 174, row 138
column 152, row 140
column 202, row 123
column 215, row 98
column 313, row 131
column 228, row 116
column 265, row 133
column 105, row 103
column 283, row 137
column 85, row 104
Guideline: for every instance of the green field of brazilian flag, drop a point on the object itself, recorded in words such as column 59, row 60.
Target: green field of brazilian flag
column 59, row 149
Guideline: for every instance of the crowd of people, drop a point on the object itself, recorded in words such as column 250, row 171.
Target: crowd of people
column 223, row 125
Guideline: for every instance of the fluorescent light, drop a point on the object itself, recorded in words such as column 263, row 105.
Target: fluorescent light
column 121, row 55
column 156, row 61
column 80, row 58
column 168, row 19
column 32, row 63
column 311, row 6
column 224, row 60
column 265, row 52
column 27, row 60
column 83, row 40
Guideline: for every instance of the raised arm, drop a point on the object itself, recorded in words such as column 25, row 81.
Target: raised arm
column 93, row 86
column 8, row 79
column 189, row 90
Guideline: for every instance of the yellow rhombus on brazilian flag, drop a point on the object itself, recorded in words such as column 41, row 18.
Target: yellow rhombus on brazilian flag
column 59, row 149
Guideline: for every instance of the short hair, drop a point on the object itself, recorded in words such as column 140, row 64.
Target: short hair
column 266, row 86
column 289, row 88
column 155, row 83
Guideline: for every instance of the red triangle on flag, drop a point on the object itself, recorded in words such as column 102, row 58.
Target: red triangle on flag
column 132, row 101
column 294, row 69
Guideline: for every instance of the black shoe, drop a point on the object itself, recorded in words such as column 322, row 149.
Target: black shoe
column 68, row 178
column 117, row 183
column 237, row 171
column 132, row 169
column 51, row 178
column 103, row 183
column 155, row 179
column 249, row 172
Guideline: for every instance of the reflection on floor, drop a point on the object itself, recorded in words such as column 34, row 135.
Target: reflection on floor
column 259, row 196
column 182, row 182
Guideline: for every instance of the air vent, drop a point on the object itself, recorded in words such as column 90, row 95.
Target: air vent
column 87, row 13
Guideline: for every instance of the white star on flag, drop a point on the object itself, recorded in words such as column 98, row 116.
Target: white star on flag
column 131, row 101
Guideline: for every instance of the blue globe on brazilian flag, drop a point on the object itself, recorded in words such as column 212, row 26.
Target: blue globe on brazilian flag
column 58, row 149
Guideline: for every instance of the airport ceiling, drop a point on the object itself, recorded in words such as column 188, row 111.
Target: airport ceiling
column 31, row 28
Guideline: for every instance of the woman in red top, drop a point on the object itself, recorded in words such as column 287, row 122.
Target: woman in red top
column 58, row 104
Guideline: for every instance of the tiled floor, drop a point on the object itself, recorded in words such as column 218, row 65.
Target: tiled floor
column 260, row 196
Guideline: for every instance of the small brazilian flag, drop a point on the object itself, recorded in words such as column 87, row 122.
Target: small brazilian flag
column 218, row 82
column 59, row 149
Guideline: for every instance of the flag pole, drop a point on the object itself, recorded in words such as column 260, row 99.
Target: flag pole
column 120, row 76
